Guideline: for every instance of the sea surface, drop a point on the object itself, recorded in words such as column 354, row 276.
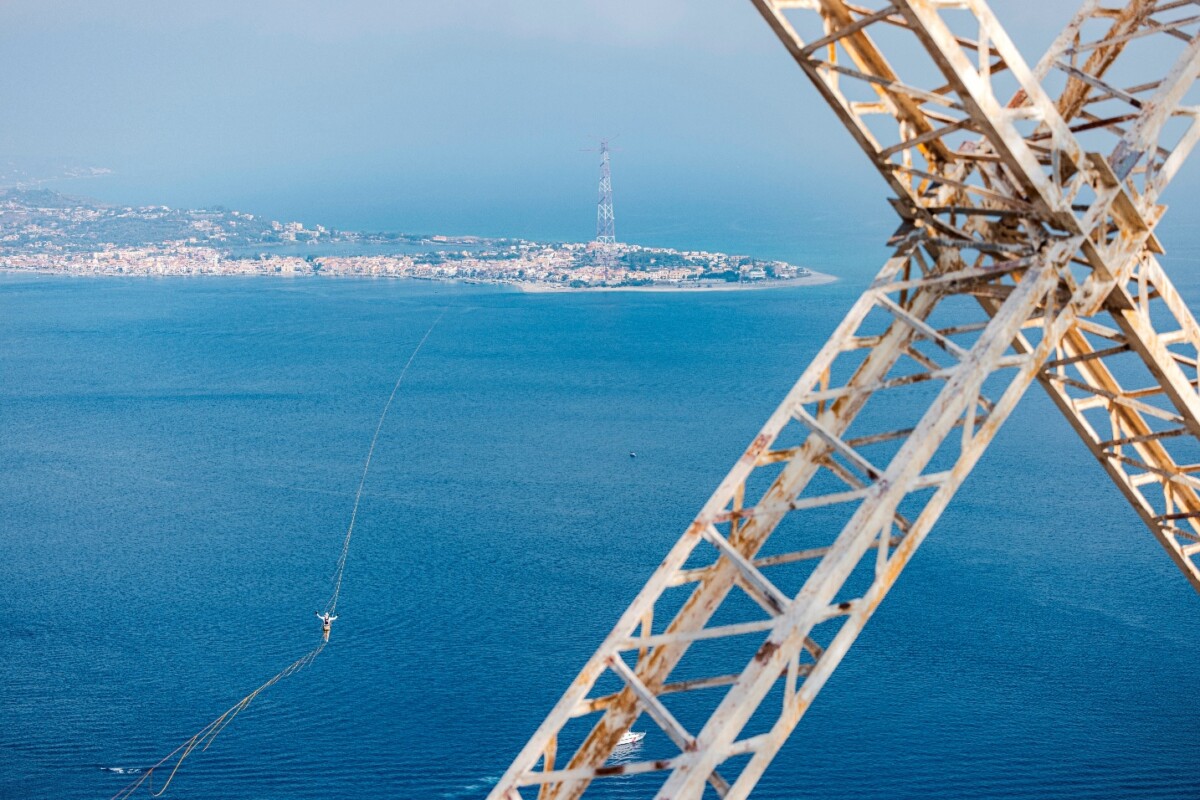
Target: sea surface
column 178, row 459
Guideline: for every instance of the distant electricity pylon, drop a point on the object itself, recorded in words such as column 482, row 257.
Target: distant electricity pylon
column 606, row 229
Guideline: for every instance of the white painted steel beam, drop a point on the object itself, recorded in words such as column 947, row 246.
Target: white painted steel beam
column 1025, row 253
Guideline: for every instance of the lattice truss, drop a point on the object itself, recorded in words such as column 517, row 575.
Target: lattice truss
column 1027, row 199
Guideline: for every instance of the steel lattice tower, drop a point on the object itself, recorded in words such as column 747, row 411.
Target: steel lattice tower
column 606, row 231
column 1026, row 253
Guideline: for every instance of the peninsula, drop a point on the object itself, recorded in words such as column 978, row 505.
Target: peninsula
column 44, row 231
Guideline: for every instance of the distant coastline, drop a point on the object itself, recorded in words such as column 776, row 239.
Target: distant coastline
column 44, row 232
column 812, row 279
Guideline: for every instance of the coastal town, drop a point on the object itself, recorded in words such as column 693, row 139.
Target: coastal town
column 46, row 232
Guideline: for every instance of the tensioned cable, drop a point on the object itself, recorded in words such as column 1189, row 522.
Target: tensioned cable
column 206, row 735
column 331, row 606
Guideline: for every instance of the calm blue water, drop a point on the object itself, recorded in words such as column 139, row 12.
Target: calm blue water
column 177, row 464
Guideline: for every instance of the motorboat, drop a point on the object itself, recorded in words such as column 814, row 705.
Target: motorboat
column 631, row 737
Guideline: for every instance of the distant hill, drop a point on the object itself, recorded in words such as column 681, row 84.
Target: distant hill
column 25, row 173
column 37, row 217
column 44, row 198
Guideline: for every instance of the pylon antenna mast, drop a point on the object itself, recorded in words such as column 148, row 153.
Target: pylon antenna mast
column 606, row 222
column 1027, row 199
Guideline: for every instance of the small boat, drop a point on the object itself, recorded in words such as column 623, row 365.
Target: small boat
column 631, row 737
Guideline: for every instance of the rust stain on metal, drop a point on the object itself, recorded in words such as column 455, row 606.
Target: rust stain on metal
column 622, row 769
column 756, row 448
column 766, row 652
column 1045, row 239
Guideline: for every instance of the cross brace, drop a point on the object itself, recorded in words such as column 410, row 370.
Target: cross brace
column 1025, row 253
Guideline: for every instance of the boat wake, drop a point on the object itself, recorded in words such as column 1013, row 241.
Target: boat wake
column 627, row 748
column 477, row 789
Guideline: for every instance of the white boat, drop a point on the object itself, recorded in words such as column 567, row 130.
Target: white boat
column 631, row 737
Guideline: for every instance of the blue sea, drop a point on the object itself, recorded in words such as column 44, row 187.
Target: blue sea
column 178, row 461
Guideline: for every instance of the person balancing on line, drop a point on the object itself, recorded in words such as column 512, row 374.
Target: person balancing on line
column 326, row 623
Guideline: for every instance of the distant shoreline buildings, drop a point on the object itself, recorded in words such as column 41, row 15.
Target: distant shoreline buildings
column 44, row 232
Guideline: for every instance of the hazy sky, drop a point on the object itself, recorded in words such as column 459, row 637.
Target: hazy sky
column 450, row 116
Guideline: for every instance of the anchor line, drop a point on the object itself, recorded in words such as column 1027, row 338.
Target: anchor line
column 331, row 606
column 204, row 737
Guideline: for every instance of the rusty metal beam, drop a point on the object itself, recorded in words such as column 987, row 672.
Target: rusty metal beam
column 1003, row 211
